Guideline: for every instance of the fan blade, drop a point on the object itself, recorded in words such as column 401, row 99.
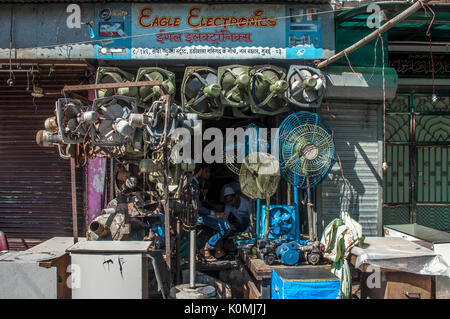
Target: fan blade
column 195, row 85
column 303, row 74
column 297, row 92
column 201, row 79
column 291, row 160
column 323, row 146
column 199, row 99
column 211, row 78
column 105, row 127
column 229, row 94
column 310, row 95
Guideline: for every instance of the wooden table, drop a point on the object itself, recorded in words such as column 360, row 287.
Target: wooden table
column 393, row 282
column 262, row 273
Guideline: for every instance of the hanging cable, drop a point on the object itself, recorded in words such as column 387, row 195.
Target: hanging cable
column 10, row 81
column 385, row 164
column 434, row 97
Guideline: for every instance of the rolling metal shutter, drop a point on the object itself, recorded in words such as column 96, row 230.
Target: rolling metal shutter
column 35, row 183
column 356, row 128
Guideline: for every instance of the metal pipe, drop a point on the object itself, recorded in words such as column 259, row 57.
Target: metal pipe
column 111, row 181
column 385, row 27
column 166, row 201
column 297, row 212
column 178, row 248
column 309, row 209
column 74, row 198
column 19, row 71
column 192, row 254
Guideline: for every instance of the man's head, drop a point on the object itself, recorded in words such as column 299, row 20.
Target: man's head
column 202, row 171
column 230, row 196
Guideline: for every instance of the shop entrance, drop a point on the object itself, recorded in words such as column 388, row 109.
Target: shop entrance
column 416, row 184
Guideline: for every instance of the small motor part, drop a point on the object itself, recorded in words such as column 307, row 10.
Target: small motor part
column 47, row 139
column 266, row 250
column 50, row 124
column 289, row 253
column 88, row 117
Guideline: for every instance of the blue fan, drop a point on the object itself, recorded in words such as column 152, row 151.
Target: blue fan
column 306, row 149
column 282, row 222
column 306, row 153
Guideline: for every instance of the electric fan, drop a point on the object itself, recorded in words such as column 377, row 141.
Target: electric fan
column 268, row 90
column 281, row 222
column 112, row 132
column 113, row 75
column 306, row 153
column 248, row 142
column 160, row 120
column 234, row 81
column 306, row 86
column 149, row 94
column 200, row 92
column 259, row 177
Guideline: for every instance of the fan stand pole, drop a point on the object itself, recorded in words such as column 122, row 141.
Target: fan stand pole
column 192, row 253
column 266, row 218
column 309, row 205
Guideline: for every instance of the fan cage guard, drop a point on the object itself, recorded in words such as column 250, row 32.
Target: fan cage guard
column 299, row 99
column 298, row 133
column 211, row 111
column 252, row 143
column 259, row 175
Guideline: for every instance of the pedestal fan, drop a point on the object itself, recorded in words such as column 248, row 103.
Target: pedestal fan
column 306, row 153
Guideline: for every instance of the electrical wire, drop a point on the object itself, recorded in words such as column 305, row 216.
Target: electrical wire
column 182, row 30
column 384, row 103
column 428, row 33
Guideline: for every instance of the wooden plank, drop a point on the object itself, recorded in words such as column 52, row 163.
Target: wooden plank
column 70, row 88
column 260, row 270
column 61, row 264
column 253, row 292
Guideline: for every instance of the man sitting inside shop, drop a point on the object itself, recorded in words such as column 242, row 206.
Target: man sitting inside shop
column 237, row 210
column 209, row 217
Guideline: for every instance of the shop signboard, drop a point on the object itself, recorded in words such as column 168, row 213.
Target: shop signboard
column 142, row 31
column 187, row 31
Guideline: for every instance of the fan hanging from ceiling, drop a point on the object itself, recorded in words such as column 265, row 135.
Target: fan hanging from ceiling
column 306, row 152
column 306, row 86
column 200, row 93
column 268, row 89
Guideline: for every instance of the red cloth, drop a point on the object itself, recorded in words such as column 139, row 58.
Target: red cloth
column 3, row 241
